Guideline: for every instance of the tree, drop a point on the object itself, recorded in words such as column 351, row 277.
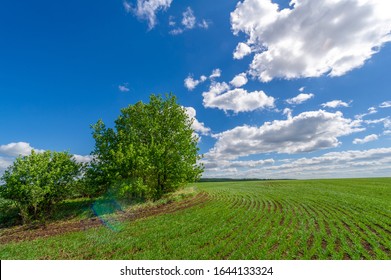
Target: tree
column 151, row 151
column 38, row 181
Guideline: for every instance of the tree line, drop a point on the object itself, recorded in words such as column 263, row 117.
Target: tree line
column 151, row 151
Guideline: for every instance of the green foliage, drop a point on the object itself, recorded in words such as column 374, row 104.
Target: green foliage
column 9, row 214
column 35, row 183
column 151, row 151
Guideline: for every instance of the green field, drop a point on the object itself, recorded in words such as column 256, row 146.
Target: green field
column 313, row 219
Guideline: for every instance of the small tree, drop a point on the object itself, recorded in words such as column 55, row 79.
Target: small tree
column 37, row 181
column 151, row 151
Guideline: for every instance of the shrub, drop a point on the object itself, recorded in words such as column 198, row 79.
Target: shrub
column 38, row 181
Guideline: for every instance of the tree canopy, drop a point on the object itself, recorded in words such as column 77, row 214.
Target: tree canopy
column 151, row 150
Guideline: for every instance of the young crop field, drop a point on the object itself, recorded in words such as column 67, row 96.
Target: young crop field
column 312, row 219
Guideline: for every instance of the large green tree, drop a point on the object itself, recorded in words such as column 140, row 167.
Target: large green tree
column 38, row 181
column 152, row 149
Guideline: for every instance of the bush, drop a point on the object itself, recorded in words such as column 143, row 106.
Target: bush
column 35, row 183
column 9, row 213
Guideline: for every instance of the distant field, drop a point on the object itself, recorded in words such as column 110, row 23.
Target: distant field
column 314, row 219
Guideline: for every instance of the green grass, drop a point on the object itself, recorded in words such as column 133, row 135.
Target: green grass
column 314, row 219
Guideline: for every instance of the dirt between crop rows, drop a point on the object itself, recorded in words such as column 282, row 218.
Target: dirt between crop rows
column 21, row 233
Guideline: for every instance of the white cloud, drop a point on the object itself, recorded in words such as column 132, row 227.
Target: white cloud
column 301, row 89
column 171, row 21
column 371, row 111
column 387, row 123
column 311, row 38
column 287, row 112
column 4, row 163
column 123, row 88
column 239, row 80
column 17, row 149
column 188, row 20
column 301, row 98
column 366, row 163
column 203, row 24
column 216, row 73
column 385, row 104
column 191, row 83
column 309, row 131
column 224, row 164
column 147, row 9
column 196, row 125
column 241, row 51
column 83, row 159
column 366, row 139
column 335, row 104
column 127, row 6
column 237, row 100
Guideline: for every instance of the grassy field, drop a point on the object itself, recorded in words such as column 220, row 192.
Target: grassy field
column 314, row 219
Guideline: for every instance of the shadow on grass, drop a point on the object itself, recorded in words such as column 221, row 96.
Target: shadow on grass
column 78, row 209
column 75, row 208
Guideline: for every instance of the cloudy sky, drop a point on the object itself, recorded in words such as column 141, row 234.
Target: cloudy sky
column 277, row 89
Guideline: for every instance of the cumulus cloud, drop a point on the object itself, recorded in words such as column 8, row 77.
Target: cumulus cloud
column 241, row 51
column 191, row 83
column 335, row 104
column 385, row 104
column 301, row 98
column 239, row 80
column 311, row 38
column 17, row 149
column 196, row 125
column 307, row 132
column 216, row 73
column 147, row 9
column 366, row 139
column 221, row 96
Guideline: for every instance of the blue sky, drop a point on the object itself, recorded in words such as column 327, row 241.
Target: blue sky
column 277, row 89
